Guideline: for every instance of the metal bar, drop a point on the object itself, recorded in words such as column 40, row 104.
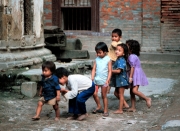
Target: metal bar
column 68, row 19
column 76, row 19
column 72, row 19
column 80, row 21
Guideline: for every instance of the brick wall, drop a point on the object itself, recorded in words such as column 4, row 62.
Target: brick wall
column 170, row 26
column 138, row 19
column 151, row 28
column 47, row 12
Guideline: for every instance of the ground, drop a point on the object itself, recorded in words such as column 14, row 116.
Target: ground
column 16, row 110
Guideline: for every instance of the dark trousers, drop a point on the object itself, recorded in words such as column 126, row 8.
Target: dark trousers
column 77, row 105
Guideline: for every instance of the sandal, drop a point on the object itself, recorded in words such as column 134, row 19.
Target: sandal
column 97, row 111
column 106, row 114
column 35, row 118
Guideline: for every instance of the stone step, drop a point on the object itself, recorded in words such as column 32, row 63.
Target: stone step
column 152, row 56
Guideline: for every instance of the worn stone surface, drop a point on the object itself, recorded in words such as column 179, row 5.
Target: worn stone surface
column 22, row 35
column 16, row 110
column 29, row 89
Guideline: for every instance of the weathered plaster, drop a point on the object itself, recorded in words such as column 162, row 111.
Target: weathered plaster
column 38, row 14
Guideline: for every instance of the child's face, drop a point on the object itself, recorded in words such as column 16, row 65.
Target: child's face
column 47, row 72
column 63, row 80
column 115, row 37
column 100, row 53
column 119, row 51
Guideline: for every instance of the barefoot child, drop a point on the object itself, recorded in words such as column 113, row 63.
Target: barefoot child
column 78, row 90
column 101, row 74
column 121, row 79
column 116, row 37
column 49, row 91
column 137, row 76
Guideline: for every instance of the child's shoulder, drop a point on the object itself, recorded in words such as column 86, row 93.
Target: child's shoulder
column 122, row 59
column 133, row 56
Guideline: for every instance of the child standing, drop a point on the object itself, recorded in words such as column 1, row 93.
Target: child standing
column 49, row 90
column 101, row 74
column 121, row 81
column 116, row 37
column 137, row 76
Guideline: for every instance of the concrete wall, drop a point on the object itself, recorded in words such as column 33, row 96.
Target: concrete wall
column 138, row 19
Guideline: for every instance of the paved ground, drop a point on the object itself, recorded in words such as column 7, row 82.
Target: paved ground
column 16, row 110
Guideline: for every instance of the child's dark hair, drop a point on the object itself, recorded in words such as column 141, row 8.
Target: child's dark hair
column 101, row 46
column 124, row 46
column 118, row 31
column 60, row 72
column 50, row 65
column 134, row 47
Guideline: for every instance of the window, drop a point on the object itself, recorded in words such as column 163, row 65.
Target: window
column 76, row 14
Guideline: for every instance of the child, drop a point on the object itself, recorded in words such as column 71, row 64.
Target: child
column 49, row 91
column 121, row 80
column 79, row 89
column 101, row 74
column 137, row 76
column 116, row 37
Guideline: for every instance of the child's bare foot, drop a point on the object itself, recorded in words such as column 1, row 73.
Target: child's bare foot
column 56, row 119
column 148, row 102
column 125, row 106
column 118, row 112
column 82, row 117
column 131, row 110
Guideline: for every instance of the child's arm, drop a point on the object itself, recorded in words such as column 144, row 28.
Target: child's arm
column 109, row 72
column 40, row 91
column 131, row 75
column 116, row 71
column 93, row 71
column 58, row 95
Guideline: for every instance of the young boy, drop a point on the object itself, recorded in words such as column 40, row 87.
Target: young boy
column 79, row 89
column 49, row 91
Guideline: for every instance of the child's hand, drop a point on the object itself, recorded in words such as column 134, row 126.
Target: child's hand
column 58, row 98
column 130, row 80
column 64, row 91
column 40, row 93
column 107, row 83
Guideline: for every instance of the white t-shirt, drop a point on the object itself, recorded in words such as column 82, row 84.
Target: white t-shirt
column 76, row 84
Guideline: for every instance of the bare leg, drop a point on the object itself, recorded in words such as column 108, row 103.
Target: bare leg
column 121, row 101
column 133, row 101
column 125, row 104
column 38, row 110
column 96, row 99
column 104, row 97
column 140, row 94
column 108, row 90
column 57, row 111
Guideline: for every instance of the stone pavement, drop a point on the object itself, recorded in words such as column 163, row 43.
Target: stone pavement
column 16, row 110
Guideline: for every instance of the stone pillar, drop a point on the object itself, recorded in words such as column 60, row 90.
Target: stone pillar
column 22, row 34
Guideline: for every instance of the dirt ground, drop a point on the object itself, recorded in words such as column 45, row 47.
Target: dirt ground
column 16, row 110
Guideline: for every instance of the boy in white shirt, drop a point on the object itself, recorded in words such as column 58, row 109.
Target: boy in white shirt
column 79, row 89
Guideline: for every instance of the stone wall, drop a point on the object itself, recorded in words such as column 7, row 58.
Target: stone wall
column 22, row 34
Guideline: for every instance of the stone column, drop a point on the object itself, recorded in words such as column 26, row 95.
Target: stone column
column 22, row 34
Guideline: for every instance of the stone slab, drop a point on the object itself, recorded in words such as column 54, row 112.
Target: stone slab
column 152, row 56
column 29, row 89
column 172, row 125
column 79, row 66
